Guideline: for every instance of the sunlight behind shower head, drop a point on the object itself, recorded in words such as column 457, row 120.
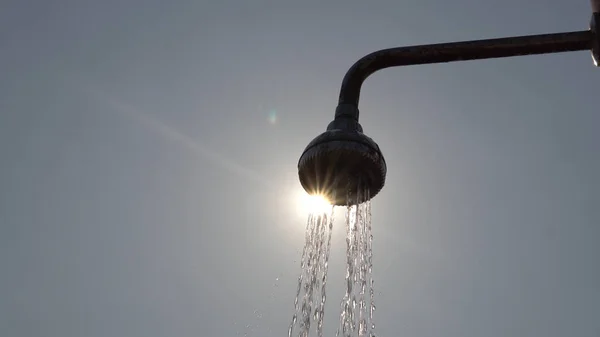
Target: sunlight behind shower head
column 311, row 204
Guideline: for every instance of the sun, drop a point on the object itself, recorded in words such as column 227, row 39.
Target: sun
column 315, row 204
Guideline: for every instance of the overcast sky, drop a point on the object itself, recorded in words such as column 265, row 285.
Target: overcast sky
column 148, row 182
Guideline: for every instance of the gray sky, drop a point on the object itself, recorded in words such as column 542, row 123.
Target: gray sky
column 148, row 173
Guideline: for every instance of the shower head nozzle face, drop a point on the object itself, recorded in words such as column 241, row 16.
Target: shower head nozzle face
column 345, row 166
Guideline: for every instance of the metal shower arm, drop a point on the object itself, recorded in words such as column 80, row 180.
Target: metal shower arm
column 463, row 51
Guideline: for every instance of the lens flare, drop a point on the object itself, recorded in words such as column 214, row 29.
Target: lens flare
column 272, row 116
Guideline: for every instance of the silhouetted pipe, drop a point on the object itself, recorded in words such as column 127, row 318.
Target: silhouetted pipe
column 458, row 51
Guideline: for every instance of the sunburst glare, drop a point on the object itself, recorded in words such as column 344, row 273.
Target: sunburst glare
column 315, row 204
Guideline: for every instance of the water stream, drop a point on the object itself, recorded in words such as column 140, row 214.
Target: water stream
column 313, row 276
column 357, row 305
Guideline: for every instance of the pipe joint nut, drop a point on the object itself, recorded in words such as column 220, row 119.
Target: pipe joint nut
column 595, row 28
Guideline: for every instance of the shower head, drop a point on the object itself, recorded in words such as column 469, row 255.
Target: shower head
column 343, row 164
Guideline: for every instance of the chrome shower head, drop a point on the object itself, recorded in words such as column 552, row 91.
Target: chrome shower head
column 341, row 162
